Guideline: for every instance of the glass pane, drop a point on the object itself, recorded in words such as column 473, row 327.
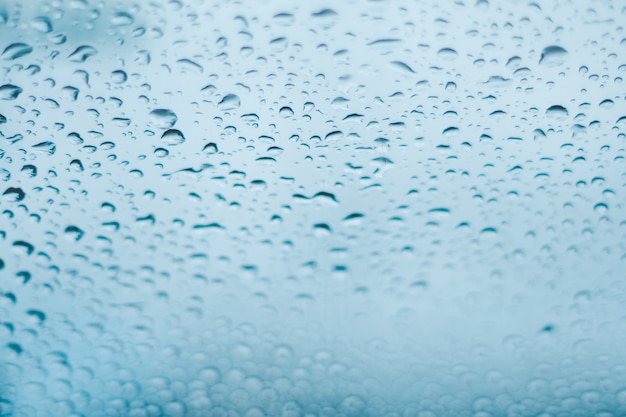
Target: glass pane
column 279, row 208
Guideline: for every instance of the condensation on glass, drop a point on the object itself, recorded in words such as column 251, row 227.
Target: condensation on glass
column 276, row 208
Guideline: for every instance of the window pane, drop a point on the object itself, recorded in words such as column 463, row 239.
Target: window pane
column 278, row 208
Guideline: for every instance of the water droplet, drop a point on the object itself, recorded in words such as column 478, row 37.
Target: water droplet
column 601, row 208
column 447, row 54
column 14, row 194
column 82, row 53
column 402, row 66
column 74, row 232
column 324, row 13
column 119, row 76
column 210, row 148
column 553, row 56
column 9, row 92
column 122, row 19
column 285, row 111
column 16, row 50
column 173, row 137
column 229, row 102
column 163, row 118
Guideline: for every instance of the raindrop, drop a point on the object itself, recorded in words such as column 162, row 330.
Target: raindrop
column 447, row 54
column 74, row 233
column 173, row 137
column 16, row 50
column 14, row 194
column 324, row 13
column 402, row 66
column 163, row 118
column 285, row 111
column 119, row 76
column 29, row 170
column 229, row 102
column 42, row 24
column 553, row 56
column 556, row 111
column 210, row 148
column 122, row 19
column 9, row 92
column 82, row 53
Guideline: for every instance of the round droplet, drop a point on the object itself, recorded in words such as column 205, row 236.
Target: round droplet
column 173, row 137
column 74, row 232
column 119, row 76
column 163, row 118
column 447, row 54
column 122, row 19
column 9, row 92
column 210, row 148
column 42, row 24
column 285, row 112
column 556, row 112
column 14, row 194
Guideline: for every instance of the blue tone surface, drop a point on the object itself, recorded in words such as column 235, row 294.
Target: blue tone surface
column 317, row 208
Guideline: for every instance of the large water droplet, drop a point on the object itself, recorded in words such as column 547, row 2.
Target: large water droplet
column 173, row 137
column 553, row 56
column 14, row 194
column 16, row 50
column 82, row 53
column 9, row 92
column 229, row 102
column 163, row 118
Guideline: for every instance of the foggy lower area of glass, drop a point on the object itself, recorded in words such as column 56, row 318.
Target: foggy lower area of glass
column 331, row 209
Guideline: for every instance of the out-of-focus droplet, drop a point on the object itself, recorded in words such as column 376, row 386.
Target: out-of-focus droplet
column 122, row 19
column 42, row 24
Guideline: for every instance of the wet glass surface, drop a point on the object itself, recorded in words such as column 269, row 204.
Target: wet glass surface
column 273, row 208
